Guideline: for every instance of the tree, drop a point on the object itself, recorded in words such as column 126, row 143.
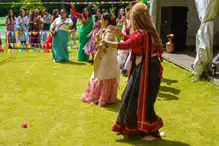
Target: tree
column 17, row 7
column 30, row 6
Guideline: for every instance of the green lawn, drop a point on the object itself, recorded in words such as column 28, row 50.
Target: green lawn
column 48, row 99
column 2, row 20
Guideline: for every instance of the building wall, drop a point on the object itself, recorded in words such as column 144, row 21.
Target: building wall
column 192, row 17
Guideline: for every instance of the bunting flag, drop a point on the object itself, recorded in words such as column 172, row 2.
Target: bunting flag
column 16, row 33
column 12, row 34
column 25, row 50
column 12, row 45
column 65, row 3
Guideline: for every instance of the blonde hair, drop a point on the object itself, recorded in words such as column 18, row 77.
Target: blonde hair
column 141, row 21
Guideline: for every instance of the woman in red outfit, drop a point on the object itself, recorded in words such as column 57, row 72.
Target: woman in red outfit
column 137, row 115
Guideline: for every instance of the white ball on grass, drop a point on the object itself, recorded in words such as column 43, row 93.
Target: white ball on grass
column 162, row 134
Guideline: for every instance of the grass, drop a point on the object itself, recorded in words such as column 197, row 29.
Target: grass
column 2, row 20
column 48, row 99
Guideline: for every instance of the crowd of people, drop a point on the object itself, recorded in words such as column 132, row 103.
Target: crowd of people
column 130, row 43
column 30, row 26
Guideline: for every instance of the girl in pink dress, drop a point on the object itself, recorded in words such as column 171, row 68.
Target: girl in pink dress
column 90, row 48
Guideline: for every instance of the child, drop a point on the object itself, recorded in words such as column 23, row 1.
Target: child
column 103, row 86
column 90, row 48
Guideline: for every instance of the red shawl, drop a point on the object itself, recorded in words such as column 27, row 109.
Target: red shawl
column 143, row 92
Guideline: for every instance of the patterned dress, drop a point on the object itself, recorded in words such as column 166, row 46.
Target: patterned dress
column 34, row 30
column 10, row 23
column 90, row 46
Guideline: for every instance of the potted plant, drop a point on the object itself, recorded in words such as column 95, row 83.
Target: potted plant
column 170, row 46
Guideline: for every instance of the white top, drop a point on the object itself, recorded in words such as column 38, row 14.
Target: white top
column 25, row 23
column 106, row 65
column 58, row 23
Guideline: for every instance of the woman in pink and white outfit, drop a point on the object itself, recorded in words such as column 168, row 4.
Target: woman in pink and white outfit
column 103, row 86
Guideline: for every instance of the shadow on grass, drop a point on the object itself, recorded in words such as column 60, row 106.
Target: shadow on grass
column 167, row 96
column 114, row 107
column 169, row 81
column 170, row 90
column 72, row 63
column 136, row 141
column 7, row 60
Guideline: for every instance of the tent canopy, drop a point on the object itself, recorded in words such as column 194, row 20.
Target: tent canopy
column 207, row 11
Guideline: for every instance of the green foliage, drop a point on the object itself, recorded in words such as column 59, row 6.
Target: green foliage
column 30, row 6
column 17, row 7
column 113, row 10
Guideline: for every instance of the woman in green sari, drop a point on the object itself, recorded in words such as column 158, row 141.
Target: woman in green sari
column 87, row 21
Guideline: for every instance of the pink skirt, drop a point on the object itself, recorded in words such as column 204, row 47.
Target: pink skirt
column 101, row 92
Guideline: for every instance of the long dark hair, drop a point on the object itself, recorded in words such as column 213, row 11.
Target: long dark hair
column 54, row 14
column 108, row 16
column 32, row 15
column 22, row 12
column 101, row 12
column 127, row 8
column 119, row 16
column 89, row 13
column 10, row 18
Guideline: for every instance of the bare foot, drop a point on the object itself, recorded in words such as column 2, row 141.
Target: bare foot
column 149, row 138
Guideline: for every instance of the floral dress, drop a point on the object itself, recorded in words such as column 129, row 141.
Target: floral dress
column 90, row 46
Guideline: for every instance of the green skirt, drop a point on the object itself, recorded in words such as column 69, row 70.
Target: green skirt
column 60, row 46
